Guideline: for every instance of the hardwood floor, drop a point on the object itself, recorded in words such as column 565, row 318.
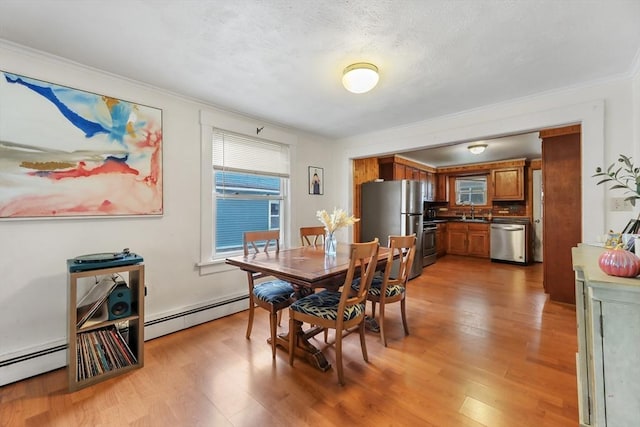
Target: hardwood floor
column 486, row 348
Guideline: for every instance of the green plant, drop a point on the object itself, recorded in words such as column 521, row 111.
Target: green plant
column 625, row 177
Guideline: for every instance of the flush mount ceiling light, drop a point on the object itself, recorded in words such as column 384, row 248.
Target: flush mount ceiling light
column 477, row 148
column 360, row 77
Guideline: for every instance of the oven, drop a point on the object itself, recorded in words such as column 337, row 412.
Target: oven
column 428, row 243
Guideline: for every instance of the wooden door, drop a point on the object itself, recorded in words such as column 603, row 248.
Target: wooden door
column 562, row 220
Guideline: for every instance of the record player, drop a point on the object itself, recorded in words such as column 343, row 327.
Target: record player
column 103, row 260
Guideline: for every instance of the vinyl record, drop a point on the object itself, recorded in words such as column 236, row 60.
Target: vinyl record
column 100, row 257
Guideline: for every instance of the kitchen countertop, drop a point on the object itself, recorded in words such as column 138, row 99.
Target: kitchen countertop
column 498, row 219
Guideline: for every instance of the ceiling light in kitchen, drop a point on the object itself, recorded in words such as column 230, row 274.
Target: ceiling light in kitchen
column 360, row 77
column 477, row 148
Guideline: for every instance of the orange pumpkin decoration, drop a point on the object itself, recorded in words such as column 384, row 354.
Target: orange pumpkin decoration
column 620, row 263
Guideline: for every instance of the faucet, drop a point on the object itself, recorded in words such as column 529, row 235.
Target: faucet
column 473, row 215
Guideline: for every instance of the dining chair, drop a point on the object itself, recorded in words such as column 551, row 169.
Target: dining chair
column 385, row 290
column 315, row 232
column 272, row 295
column 340, row 310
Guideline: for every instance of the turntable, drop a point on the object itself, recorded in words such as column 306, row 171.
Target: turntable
column 103, row 260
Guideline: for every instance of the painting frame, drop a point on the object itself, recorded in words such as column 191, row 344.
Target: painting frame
column 316, row 181
column 71, row 153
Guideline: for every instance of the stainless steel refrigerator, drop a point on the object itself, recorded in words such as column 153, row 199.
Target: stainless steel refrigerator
column 393, row 208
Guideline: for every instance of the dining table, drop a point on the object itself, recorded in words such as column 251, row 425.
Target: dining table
column 306, row 268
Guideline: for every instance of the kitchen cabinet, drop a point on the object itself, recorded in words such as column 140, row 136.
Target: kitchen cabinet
column 470, row 239
column 441, row 239
column 608, row 320
column 508, row 183
column 429, row 183
column 441, row 194
column 394, row 168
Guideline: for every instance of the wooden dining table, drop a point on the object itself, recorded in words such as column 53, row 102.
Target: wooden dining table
column 306, row 268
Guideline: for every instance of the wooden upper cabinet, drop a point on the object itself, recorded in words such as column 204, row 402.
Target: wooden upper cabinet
column 441, row 187
column 508, row 183
column 429, row 186
column 399, row 171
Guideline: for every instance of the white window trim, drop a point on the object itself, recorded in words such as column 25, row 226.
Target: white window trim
column 214, row 119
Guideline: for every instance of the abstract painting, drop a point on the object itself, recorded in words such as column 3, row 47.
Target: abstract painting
column 65, row 152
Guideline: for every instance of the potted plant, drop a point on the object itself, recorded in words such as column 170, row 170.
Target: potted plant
column 625, row 177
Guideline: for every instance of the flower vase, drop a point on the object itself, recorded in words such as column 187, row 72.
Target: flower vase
column 330, row 244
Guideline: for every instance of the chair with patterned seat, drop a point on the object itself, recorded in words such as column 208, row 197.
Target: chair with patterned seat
column 308, row 233
column 384, row 289
column 272, row 295
column 340, row 310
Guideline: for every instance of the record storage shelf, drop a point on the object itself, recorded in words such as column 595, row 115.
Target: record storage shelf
column 135, row 321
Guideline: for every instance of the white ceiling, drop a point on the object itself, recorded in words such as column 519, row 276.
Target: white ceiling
column 282, row 60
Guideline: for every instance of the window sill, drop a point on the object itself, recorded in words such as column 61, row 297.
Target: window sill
column 214, row 266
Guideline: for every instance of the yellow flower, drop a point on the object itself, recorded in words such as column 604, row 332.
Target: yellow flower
column 338, row 219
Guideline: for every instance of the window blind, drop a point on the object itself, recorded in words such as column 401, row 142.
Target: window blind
column 239, row 153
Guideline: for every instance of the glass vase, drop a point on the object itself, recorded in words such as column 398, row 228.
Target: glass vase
column 330, row 244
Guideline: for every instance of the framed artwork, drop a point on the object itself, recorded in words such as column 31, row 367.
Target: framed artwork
column 316, row 180
column 65, row 152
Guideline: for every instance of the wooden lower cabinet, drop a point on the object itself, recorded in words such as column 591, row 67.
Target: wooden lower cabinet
column 471, row 239
column 478, row 240
column 441, row 239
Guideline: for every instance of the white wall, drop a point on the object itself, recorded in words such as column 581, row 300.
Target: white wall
column 605, row 111
column 33, row 253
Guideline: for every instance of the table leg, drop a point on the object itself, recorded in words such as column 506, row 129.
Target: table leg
column 304, row 348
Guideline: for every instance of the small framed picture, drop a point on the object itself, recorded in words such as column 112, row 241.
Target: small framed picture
column 316, row 180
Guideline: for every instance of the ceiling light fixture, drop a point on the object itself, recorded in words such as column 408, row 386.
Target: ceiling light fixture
column 477, row 148
column 360, row 77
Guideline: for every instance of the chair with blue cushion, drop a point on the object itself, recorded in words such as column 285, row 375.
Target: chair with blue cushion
column 385, row 290
column 340, row 310
column 272, row 295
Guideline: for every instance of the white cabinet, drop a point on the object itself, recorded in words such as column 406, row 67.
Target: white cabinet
column 608, row 320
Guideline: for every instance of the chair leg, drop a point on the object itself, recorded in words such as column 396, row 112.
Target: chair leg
column 273, row 325
column 292, row 338
column 279, row 317
column 404, row 316
column 383, row 337
column 251, row 312
column 339, row 355
column 363, row 342
column 373, row 309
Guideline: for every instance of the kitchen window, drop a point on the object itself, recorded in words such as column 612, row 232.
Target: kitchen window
column 471, row 190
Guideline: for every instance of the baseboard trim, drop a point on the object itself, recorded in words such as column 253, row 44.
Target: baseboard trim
column 35, row 361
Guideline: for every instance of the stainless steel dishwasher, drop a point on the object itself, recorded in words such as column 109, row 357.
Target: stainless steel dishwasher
column 508, row 242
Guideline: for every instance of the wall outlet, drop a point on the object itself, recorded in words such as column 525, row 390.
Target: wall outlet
column 619, row 204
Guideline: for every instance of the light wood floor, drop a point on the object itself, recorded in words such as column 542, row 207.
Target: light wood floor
column 486, row 349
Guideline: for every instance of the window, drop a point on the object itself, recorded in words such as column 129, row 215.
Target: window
column 471, row 190
column 250, row 176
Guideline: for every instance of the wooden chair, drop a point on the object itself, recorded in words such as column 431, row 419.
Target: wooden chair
column 339, row 310
column 317, row 233
column 385, row 290
column 273, row 295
